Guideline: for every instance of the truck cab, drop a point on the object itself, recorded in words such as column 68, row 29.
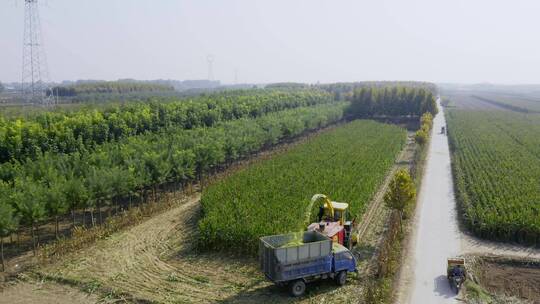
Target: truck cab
column 343, row 259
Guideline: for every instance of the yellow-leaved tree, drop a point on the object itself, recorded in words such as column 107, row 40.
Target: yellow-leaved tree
column 401, row 192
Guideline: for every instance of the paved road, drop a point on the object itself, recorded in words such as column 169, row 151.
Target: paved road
column 437, row 235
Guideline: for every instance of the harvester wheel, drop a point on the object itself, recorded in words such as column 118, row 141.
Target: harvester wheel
column 298, row 288
column 341, row 278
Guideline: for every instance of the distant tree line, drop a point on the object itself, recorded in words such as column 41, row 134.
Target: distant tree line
column 391, row 101
column 107, row 87
column 345, row 90
column 287, row 85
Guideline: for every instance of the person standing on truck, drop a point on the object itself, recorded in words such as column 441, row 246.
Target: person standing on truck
column 321, row 213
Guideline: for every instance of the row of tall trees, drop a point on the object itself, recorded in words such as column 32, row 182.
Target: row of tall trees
column 426, row 123
column 53, row 185
column 391, row 101
column 86, row 128
column 344, row 90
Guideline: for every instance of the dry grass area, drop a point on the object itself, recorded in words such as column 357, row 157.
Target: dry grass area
column 155, row 261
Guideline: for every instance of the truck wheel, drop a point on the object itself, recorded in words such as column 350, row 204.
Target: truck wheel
column 298, row 288
column 341, row 278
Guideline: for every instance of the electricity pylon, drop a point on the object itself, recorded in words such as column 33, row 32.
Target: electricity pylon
column 35, row 75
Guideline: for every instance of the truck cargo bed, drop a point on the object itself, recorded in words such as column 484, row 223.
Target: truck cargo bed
column 284, row 259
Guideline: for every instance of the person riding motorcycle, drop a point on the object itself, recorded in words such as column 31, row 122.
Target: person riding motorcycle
column 457, row 271
column 458, row 276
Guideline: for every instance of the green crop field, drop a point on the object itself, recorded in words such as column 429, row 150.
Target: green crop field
column 84, row 129
column 270, row 197
column 496, row 163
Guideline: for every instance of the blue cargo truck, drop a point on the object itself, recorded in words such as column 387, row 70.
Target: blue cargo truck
column 295, row 259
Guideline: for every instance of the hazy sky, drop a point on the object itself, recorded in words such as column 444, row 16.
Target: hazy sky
column 282, row 40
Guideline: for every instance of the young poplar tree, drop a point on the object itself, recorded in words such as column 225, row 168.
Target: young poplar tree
column 29, row 200
column 8, row 219
column 401, row 192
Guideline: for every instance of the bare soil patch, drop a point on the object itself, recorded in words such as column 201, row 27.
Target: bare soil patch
column 509, row 277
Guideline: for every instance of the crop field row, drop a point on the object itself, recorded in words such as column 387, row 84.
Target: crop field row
column 496, row 163
column 271, row 197
column 85, row 129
